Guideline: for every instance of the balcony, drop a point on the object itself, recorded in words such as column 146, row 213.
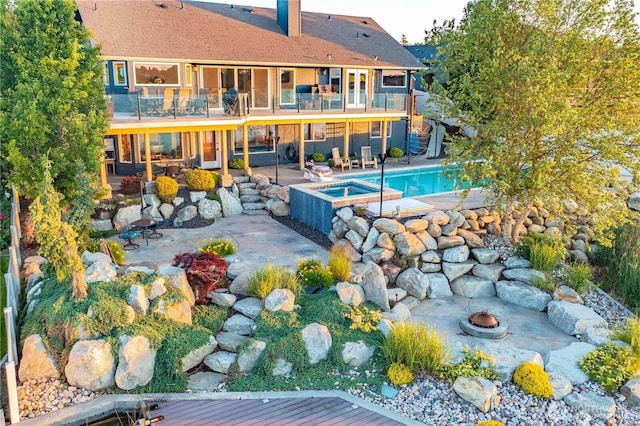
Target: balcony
column 137, row 106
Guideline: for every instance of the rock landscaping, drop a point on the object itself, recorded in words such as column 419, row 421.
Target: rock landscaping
column 397, row 266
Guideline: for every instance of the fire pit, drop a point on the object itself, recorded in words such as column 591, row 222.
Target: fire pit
column 484, row 325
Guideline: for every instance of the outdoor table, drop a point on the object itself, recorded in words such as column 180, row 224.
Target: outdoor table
column 145, row 225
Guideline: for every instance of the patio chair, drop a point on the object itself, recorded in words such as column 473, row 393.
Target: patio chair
column 184, row 101
column 367, row 158
column 126, row 233
column 168, row 105
column 174, row 170
column 339, row 161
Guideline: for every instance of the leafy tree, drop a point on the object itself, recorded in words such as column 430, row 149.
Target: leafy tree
column 83, row 206
column 57, row 239
column 51, row 95
column 435, row 35
column 403, row 40
column 553, row 90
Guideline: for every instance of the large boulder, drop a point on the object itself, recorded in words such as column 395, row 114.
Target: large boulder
column 239, row 324
column 454, row 270
column 196, row 356
column 561, row 385
column 472, row 240
column 209, row 209
column 100, row 272
column 370, row 240
column 427, row 240
column 350, row 294
column 129, row 213
column 136, row 359
column 36, row 362
column 389, row 226
column 445, row 242
column 138, row 299
column 375, row 286
column 485, row 255
column 480, row 392
column 416, row 225
column 177, row 278
column 357, row 353
column 220, row 361
column 359, row 224
column 490, row 272
column 522, row 294
column 317, row 341
column 473, row 287
column 573, row 318
column 178, row 311
column 91, row 365
column 414, row 282
column 280, row 299
column 527, row 275
column 249, row 355
column 567, row 294
column 507, row 359
column 456, row 254
column 599, row 407
column 408, row 244
column 438, row 217
column 279, row 208
column 438, row 286
column 631, row 390
column 187, row 213
column 205, row 381
column 634, row 201
column 565, row 361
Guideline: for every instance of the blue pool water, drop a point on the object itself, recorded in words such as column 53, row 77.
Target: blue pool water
column 339, row 189
column 412, row 182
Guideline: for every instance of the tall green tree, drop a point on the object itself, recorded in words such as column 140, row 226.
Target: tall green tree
column 51, row 96
column 57, row 240
column 553, row 90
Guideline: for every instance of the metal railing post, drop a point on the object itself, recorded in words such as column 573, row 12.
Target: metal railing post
column 139, row 109
column 12, row 350
column 14, row 266
column 386, row 98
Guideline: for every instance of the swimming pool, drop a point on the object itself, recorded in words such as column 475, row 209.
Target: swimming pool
column 413, row 182
column 347, row 189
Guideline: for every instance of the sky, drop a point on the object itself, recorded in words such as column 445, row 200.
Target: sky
column 397, row 17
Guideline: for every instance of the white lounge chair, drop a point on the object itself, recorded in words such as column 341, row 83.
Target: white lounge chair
column 367, row 158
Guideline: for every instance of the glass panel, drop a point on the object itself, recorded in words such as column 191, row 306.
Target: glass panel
column 152, row 73
column 125, row 148
column 261, row 88
column 351, row 95
column 188, row 75
column 363, row 87
column 164, row 146
column 209, row 146
column 287, row 87
column 227, row 77
column 392, row 78
column 106, row 76
column 244, row 80
column 210, row 79
column 376, row 129
column 335, row 79
column 119, row 74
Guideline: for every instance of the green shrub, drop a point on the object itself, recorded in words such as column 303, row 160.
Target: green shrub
column 310, row 264
column 266, row 279
column 610, row 365
column 331, row 162
column 316, row 278
column 399, row 374
column 199, row 180
column 360, row 210
column 216, row 178
column 117, row 252
column 542, row 250
column 415, row 345
column 236, row 163
column 318, row 157
column 130, row 185
column 532, row 379
column 579, row 276
column 340, row 263
column 476, row 363
column 545, row 284
column 396, row 152
column 363, row 318
column 622, row 265
column 166, row 188
column 221, row 247
column 213, row 196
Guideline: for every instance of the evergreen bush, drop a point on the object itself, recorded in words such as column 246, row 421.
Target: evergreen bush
column 199, row 180
column 532, row 379
column 166, row 188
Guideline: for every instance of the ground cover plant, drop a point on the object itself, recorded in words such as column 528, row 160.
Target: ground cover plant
column 611, row 365
column 476, row 363
column 532, row 379
column 281, row 331
column 221, row 247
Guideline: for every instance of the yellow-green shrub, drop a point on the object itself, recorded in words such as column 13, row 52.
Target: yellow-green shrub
column 166, row 188
column 263, row 281
column 199, row 180
column 339, row 263
column 532, row 379
column 399, row 374
column 363, row 319
column 490, row 423
column 117, row 252
column 216, row 178
column 417, row 346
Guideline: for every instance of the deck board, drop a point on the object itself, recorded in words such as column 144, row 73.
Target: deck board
column 323, row 411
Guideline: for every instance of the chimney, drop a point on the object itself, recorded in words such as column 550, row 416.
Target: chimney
column 289, row 17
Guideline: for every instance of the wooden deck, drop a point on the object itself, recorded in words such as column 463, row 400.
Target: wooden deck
column 281, row 411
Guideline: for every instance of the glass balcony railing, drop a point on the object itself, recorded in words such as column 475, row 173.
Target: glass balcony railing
column 141, row 107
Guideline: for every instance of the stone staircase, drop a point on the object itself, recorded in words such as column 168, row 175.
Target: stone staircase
column 252, row 202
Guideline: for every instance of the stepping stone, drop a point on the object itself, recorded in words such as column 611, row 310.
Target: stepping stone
column 230, row 341
column 205, row 381
column 239, row 324
column 250, row 307
column 565, row 361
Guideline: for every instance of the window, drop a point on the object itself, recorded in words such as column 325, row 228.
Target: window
column 335, row 77
column 120, row 73
column 156, row 73
column 287, row 86
column 188, row 75
column 164, row 146
column 376, row 129
column 261, row 139
column 315, row 132
column 393, row 78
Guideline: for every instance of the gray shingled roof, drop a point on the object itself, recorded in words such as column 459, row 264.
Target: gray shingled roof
column 215, row 33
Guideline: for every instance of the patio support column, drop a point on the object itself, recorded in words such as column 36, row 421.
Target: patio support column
column 103, row 179
column 225, row 149
column 147, row 155
column 345, row 147
column 301, row 145
column 383, row 147
column 245, row 145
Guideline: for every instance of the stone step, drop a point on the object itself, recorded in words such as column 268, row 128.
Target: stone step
column 241, row 179
column 249, row 191
column 253, row 206
column 250, row 199
column 246, row 185
column 255, row 212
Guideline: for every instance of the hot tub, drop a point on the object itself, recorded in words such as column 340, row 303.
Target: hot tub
column 316, row 203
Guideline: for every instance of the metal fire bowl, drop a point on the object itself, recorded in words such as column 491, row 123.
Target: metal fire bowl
column 485, row 333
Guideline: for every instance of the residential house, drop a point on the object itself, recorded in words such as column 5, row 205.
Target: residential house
column 206, row 83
